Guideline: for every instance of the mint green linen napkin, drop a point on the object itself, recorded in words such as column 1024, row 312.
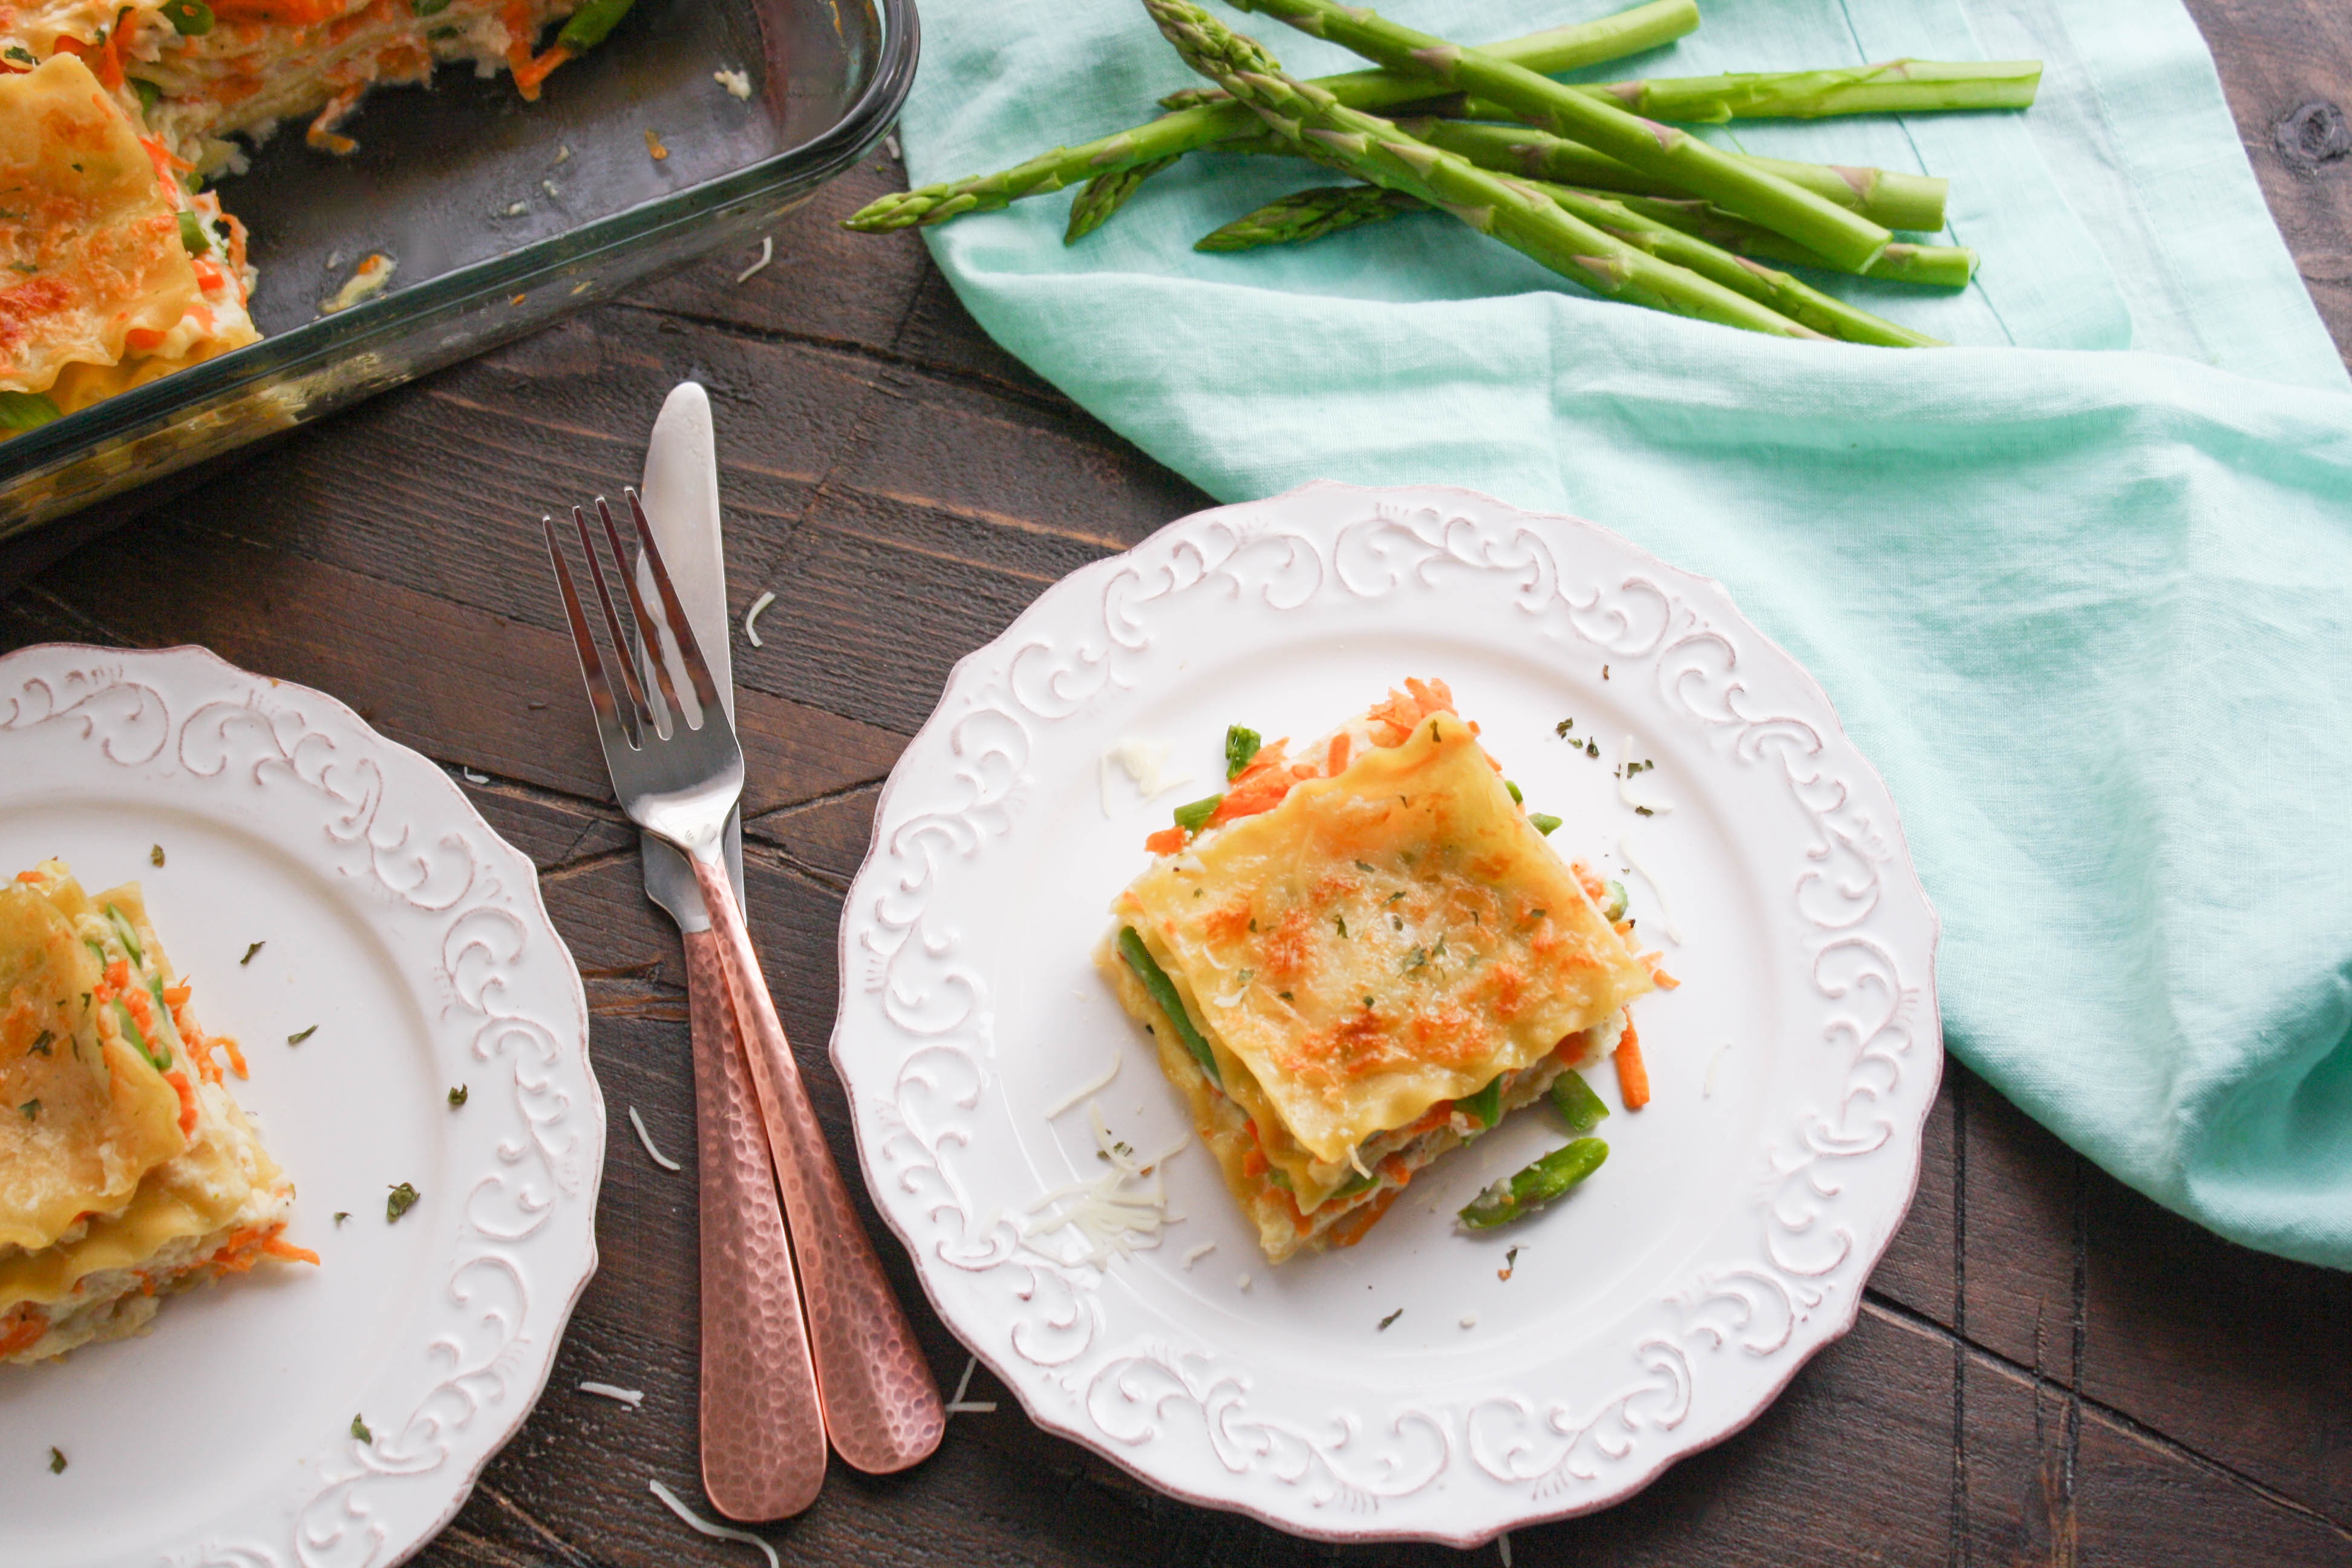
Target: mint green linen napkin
column 2084, row 609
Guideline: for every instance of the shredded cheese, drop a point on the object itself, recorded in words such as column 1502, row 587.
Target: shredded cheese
column 1110, row 1211
column 1655, row 807
column 1503, row 1546
column 1469, row 1319
column 1145, row 762
column 751, row 619
column 767, row 253
column 1713, row 1062
column 645, row 1138
column 736, row 83
column 1197, row 1254
column 715, row 1532
column 1666, row 910
column 1090, row 1090
column 960, row 1406
column 632, row 1397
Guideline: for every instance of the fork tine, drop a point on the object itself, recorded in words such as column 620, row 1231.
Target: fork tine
column 706, row 691
column 613, row 625
column 583, row 642
column 648, row 638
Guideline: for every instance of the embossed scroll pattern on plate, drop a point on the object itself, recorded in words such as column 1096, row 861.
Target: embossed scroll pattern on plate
column 1208, row 1420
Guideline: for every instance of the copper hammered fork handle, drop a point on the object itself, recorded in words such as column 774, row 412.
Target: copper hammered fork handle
column 762, row 1422
column 882, row 1409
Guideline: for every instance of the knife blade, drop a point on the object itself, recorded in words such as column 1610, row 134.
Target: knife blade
column 762, row 1422
column 681, row 498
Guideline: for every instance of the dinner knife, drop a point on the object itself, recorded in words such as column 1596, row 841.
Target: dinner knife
column 763, row 1443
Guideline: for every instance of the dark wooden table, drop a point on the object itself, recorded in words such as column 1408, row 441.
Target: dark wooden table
column 2048, row 1368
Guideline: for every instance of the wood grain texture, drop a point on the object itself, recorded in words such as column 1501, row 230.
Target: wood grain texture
column 2047, row 1370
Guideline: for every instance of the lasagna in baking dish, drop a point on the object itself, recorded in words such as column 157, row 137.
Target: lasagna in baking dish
column 126, row 1171
column 119, row 265
column 1355, row 961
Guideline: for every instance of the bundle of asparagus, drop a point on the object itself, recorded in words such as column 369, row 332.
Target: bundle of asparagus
column 1587, row 179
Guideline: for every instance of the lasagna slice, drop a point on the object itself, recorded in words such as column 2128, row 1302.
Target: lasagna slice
column 116, row 1078
column 1352, row 965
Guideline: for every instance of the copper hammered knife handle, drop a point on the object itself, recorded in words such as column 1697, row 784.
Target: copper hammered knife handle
column 763, row 1425
column 882, row 1408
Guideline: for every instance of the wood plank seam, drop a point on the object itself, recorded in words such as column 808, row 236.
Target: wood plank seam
column 785, row 337
column 1892, row 1311
column 1957, row 1552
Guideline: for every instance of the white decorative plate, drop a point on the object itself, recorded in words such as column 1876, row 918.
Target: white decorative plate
column 1727, row 1238
column 396, row 922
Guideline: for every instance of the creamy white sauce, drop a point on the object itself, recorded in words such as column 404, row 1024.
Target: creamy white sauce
column 364, row 283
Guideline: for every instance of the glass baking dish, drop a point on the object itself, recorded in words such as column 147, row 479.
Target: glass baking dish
column 499, row 216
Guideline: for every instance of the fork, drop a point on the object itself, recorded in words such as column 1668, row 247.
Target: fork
column 679, row 782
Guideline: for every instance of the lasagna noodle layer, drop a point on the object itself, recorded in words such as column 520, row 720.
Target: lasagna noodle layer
column 1379, row 941
column 89, row 237
column 1287, row 1223
column 86, row 1113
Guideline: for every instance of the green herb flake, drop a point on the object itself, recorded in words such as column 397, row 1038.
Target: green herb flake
column 1392, row 1317
column 41, row 1045
column 156, row 855
column 1241, row 746
column 360, row 1430
column 1341, row 921
column 403, row 1198
column 1366, row 868
column 27, row 267
column 1593, row 749
column 30, row 1110
column 456, row 1096
column 1392, row 898
column 20, row 53
column 249, row 952
column 1285, row 996
column 1563, row 727
column 1543, row 822
column 1419, row 956
column 297, row 1038
column 1368, row 1002
column 57, row 1462
column 342, row 1215
column 1643, row 811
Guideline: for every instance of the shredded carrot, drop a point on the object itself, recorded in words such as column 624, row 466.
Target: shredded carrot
column 1349, row 1228
column 1335, row 763
column 1397, row 1171
column 1594, row 888
column 1632, row 1073
column 175, row 995
column 537, row 69
column 187, row 1092
column 1302, row 771
column 30, row 1323
column 28, row 875
column 1255, row 1162
column 1167, row 841
column 278, row 1247
column 1659, row 977
column 235, row 1056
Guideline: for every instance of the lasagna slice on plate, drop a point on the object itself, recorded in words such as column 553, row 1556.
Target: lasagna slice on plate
column 126, row 1171
column 1353, row 963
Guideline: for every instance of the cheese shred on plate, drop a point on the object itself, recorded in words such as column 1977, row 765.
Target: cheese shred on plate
column 117, row 266
column 127, row 1172
column 1361, row 957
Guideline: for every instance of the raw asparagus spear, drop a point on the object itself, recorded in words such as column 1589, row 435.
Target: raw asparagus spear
column 1310, row 214
column 1935, row 265
column 1550, row 1177
column 1105, row 194
column 1509, row 210
column 1675, row 156
column 1898, row 87
column 1295, row 218
column 1882, row 196
column 1560, row 49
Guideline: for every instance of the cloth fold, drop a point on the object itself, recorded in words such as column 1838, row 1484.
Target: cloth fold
column 2085, row 608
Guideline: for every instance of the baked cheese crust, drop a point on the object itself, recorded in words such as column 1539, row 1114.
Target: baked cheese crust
column 1386, row 941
